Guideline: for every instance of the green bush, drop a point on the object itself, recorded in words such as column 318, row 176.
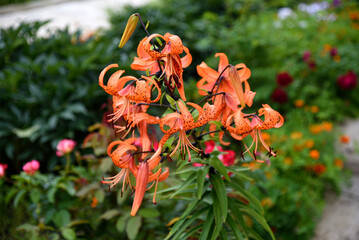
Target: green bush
column 48, row 90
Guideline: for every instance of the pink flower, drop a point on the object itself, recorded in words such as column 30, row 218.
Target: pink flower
column 347, row 81
column 31, row 167
column 228, row 158
column 284, row 79
column 333, row 52
column 209, row 146
column 306, row 56
column 65, row 146
column 3, row 167
column 279, row 96
column 197, row 164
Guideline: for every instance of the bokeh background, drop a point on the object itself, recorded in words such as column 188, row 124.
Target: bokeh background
column 304, row 59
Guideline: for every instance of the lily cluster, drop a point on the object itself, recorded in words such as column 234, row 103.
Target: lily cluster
column 226, row 94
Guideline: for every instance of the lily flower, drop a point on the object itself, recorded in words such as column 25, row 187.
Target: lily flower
column 272, row 119
column 170, row 55
column 226, row 80
column 144, row 176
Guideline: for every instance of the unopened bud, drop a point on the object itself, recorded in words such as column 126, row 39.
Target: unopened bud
column 237, row 84
column 130, row 27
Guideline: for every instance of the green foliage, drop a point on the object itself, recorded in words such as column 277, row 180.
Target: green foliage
column 292, row 188
column 48, row 90
column 7, row 2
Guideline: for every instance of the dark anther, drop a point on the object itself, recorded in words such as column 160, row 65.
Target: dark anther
column 199, row 138
column 206, row 155
column 255, row 156
column 163, row 158
column 242, row 155
column 212, row 170
column 175, row 97
column 223, row 128
column 166, row 149
column 158, row 74
column 195, row 144
column 188, row 131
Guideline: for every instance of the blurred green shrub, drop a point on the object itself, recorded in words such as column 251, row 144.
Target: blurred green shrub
column 48, row 90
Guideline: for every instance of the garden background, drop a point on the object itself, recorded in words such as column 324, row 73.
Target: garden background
column 304, row 62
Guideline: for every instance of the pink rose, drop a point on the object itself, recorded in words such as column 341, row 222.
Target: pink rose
column 31, row 167
column 228, row 158
column 3, row 167
column 65, row 146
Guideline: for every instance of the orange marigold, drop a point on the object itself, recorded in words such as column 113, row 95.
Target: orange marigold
column 314, row 109
column 344, row 139
column 327, row 126
column 309, row 143
column 338, row 163
column 319, row 168
column 315, row 154
column 288, row 161
column 94, row 202
column 315, row 129
column 296, row 135
column 299, row 103
column 267, row 202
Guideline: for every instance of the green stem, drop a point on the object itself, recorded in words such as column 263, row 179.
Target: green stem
column 68, row 163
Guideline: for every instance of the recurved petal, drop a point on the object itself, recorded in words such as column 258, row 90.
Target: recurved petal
column 186, row 60
column 223, row 62
column 206, row 72
column 141, row 185
column 272, row 118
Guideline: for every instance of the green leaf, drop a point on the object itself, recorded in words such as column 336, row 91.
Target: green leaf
column 27, row 132
column 235, row 228
column 18, row 196
column 188, row 181
column 201, row 177
column 86, row 189
column 62, row 218
column 132, row 227
column 218, row 165
column 100, row 195
column 220, row 192
column 35, row 195
column 109, row 214
column 10, row 195
column 223, row 234
column 121, row 222
column 247, row 195
column 68, row 233
column 189, row 221
column 149, row 212
column 238, row 215
column 51, row 194
column 183, row 218
column 259, row 218
column 218, row 216
column 207, row 225
column 170, row 100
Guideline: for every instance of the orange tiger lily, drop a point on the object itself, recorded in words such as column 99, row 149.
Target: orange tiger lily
column 272, row 119
column 226, row 83
column 174, row 64
column 121, row 159
column 143, row 173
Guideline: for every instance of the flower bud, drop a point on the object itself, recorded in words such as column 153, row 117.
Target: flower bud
column 130, row 27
